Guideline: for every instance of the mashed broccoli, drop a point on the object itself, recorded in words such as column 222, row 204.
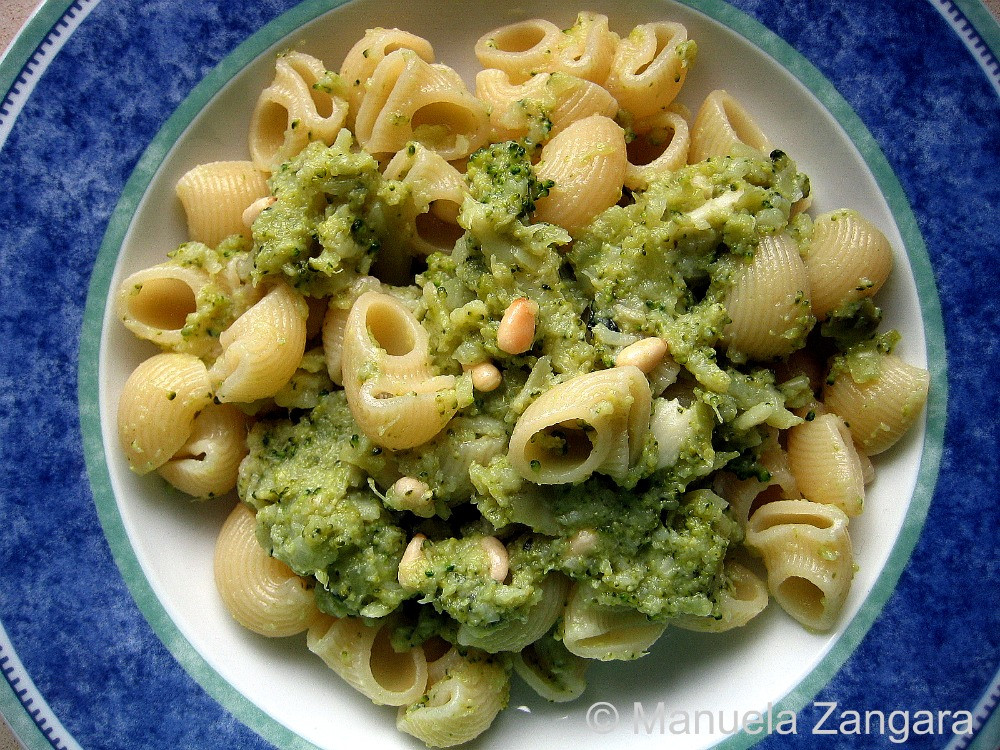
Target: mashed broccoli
column 653, row 541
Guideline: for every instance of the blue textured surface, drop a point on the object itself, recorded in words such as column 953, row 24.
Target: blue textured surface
column 930, row 107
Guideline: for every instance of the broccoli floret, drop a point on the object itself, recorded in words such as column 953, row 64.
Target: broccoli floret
column 500, row 175
column 852, row 323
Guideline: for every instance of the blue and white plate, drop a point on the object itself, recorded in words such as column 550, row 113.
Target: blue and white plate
column 111, row 635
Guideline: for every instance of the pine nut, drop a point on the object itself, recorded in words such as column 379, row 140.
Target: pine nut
column 517, row 327
column 485, row 376
column 497, row 554
column 411, row 565
column 409, row 493
column 254, row 209
column 644, row 354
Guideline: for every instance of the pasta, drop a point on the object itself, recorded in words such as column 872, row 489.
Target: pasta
column 261, row 593
column 512, row 379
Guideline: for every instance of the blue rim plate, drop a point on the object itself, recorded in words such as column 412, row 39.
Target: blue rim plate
column 98, row 91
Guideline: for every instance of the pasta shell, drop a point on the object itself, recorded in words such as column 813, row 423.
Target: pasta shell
column 592, row 422
column 208, row 463
column 649, row 68
column 363, row 656
column 154, row 303
column 390, row 388
column 848, row 259
column 661, row 148
column 364, row 57
column 722, row 125
column 262, row 349
column 825, row 463
column 261, row 593
column 215, row 195
column 157, row 408
column 464, row 696
column 808, row 556
column 293, row 111
column 594, row 631
column 587, row 162
column 520, row 49
column 410, row 100
column 768, row 302
column 743, row 599
column 880, row 411
column 514, row 635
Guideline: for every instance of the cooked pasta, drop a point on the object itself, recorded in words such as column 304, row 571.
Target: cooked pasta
column 464, row 695
column 158, row 406
column 408, row 99
column 208, row 463
column 848, row 259
column 262, row 349
column 216, row 195
column 587, row 163
column 650, row 66
column 361, row 654
column 825, row 463
column 294, row 110
column 594, row 422
column 261, row 593
column 362, row 59
column 745, row 598
column 596, row 631
column 768, row 304
column 878, row 410
column 807, row 551
column 721, row 126
column 154, row 303
column 511, row 381
column 388, row 382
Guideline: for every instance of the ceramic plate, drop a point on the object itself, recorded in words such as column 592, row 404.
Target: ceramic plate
column 111, row 634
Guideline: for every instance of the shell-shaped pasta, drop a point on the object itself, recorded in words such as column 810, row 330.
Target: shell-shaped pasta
column 335, row 323
column 561, row 98
column 808, row 556
column 157, row 408
column 744, row 599
column 825, row 463
column 154, row 303
column 262, row 348
column 768, row 302
column 293, row 111
column 390, row 388
column 514, row 635
column 848, row 259
column 261, row 593
column 216, row 194
column 208, row 463
column 364, row 57
column 520, row 49
column 409, row 99
column 721, row 125
column 649, row 67
column 659, row 149
column 552, row 671
column 362, row 655
column 463, row 698
column 587, row 48
column 592, row 422
column 437, row 189
column 587, row 163
column 880, row 411
column 595, row 631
